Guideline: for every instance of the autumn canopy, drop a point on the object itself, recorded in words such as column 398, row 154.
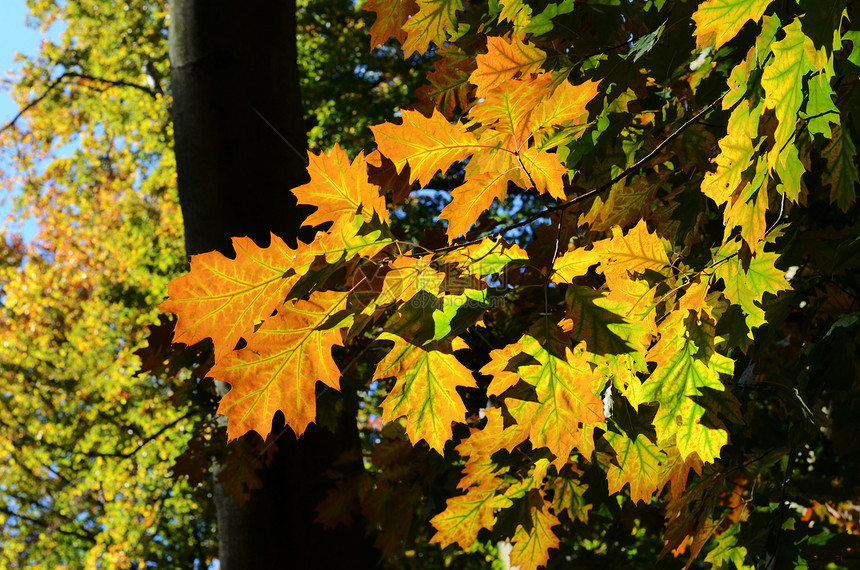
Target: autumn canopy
column 595, row 287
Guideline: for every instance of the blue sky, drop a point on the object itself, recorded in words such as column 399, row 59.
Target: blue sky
column 15, row 37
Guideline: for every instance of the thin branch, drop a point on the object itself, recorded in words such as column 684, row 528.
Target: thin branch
column 780, row 519
column 85, row 536
column 142, row 444
column 73, row 75
column 591, row 193
column 33, row 103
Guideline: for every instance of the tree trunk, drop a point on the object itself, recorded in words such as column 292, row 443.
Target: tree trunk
column 240, row 148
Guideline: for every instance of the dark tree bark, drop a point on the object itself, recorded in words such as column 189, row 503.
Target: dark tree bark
column 240, row 148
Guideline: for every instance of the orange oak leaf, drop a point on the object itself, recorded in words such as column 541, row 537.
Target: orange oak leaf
column 545, row 171
column 425, row 391
column 480, row 470
column 503, row 61
column 502, row 369
column 339, row 189
column 280, row 366
column 471, row 199
column 508, row 108
column 224, row 298
column 565, row 107
column 427, row 145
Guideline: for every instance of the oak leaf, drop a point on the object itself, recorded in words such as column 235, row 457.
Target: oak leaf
column 434, row 23
column 224, row 298
column 279, row 368
column 340, row 189
column 427, row 145
column 504, row 60
column 390, row 17
column 465, row 515
column 425, row 391
column 718, row 21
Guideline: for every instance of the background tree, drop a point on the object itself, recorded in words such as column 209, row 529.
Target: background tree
column 92, row 471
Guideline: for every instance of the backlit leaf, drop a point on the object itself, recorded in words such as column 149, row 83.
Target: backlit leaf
column 279, row 368
column 633, row 252
column 841, row 173
column 433, row 23
column 425, row 391
column 390, row 17
column 340, row 189
column 747, row 287
column 465, row 515
column 504, row 60
column 567, row 406
column 718, row 21
column 533, row 540
column 640, row 465
column 224, row 298
column 427, row 145
column 686, row 361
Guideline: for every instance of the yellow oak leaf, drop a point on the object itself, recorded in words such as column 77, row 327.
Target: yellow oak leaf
column 544, row 171
column 425, row 391
column 574, row 263
column 465, row 515
column 736, row 154
column 532, row 542
column 280, row 366
column 487, row 257
column 480, row 469
column 407, row 276
column 390, row 17
column 567, row 407
column 783, row 82
column 638, row 463
column 718, row 21
column 634, row 252
column 564, row 108
column 434, row 22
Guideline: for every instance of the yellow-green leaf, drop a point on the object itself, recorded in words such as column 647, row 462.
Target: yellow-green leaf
column 718, row 21
column 425, row 391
